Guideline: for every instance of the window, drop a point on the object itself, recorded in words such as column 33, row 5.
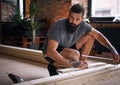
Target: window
column 15, row 4
column 21, row 8
column 104, row 9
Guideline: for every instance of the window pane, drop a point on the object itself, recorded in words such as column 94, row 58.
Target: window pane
column 105, row 8
column 21, row 8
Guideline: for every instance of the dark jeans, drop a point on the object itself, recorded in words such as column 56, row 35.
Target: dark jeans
column 52, row 69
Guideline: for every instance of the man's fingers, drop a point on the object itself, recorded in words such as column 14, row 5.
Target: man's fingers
column 84, row 65
column 116, row 58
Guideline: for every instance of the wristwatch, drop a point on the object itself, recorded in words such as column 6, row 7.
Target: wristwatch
column 75, row 64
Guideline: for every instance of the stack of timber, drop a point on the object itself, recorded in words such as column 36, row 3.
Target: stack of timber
column 106, row 74
column 96, row 74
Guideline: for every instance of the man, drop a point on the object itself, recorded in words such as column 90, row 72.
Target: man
column 71, row 38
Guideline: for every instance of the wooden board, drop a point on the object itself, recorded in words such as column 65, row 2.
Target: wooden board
column 66, row 70
column 102, row 75
column 18, row 52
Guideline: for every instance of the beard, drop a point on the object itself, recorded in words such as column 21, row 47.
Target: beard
column 71, row 28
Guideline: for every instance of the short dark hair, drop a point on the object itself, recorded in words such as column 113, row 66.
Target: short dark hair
column 77, row 8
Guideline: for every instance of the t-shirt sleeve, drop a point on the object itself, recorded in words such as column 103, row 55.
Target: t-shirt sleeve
column 88, row 27
column 54, row 33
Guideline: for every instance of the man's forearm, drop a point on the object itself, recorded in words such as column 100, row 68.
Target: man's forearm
column 104, row 41
column 100, row 38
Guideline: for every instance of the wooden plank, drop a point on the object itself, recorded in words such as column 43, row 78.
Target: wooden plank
column 34, row 55
column 100, row 58
column 101, row 77
column 82, row 77
column 66, row 70
column 108, row 79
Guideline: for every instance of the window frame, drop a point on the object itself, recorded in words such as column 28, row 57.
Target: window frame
column 98, row 19
column 25, row 8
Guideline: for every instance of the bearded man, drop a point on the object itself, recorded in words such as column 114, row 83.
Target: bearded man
column 68, row 39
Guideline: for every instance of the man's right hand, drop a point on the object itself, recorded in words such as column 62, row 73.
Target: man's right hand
column 84, row 65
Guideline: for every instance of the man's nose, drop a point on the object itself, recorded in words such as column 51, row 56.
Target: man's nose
column 73, row 21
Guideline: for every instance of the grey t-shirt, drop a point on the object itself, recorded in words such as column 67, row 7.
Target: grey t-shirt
column 59, row 33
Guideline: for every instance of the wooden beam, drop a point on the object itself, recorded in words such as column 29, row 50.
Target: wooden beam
column 33, row 55
column 66, row 70
column 101, row 58
column 103, row 75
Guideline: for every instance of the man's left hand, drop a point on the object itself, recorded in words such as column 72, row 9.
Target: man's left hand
column 115, row 56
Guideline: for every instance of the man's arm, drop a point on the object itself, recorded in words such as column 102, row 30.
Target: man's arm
column 56, row 56
column 105, row 42
column 59, row 59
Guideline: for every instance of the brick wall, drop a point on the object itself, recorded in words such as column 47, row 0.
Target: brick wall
column 52, row 9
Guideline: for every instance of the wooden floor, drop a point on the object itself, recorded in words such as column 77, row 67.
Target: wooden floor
column 26, row 69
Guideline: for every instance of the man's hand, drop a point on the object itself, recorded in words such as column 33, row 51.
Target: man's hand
column 115, row 55
column 84, row 65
